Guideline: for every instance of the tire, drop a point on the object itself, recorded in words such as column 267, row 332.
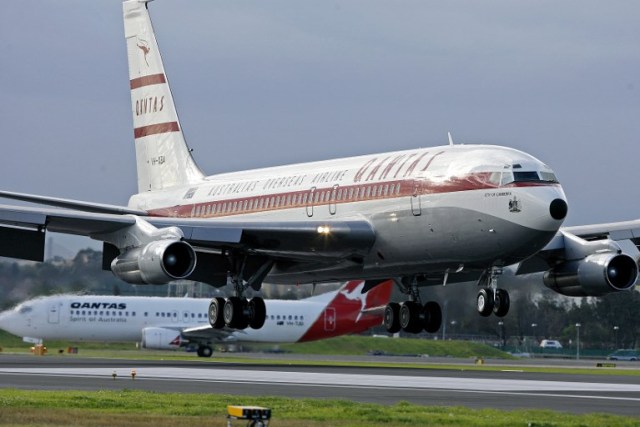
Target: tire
column 502, row 303
column 432, row 317
column 257, row 313
column 216, row 308
column 205, row 351
column 234, row 316
column 485, row 302
column 410, row 317
column 392, row 317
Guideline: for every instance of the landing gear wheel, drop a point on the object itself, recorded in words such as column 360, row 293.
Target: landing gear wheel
column 410, row 317
column 234, row 316
column 216, row 320
column 392, row 317
column 205, row 350
column 432, row 317
column 257, row 312
column 485, row 302
column 502, row 303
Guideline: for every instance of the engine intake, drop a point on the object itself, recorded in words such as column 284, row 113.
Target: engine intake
column 595, row 275
column 161, row 338
column 156, row 263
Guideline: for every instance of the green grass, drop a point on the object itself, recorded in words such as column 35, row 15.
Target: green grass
column 345, row 345
column 362, row 345
column 140, row 408
column 348, row 345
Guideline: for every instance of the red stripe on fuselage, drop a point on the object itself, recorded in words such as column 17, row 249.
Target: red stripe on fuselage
column 155, row 129
column 333, row 196
column 153, row 79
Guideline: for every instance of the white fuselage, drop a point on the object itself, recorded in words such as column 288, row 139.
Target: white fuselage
column 121, row 319
column 432, row 209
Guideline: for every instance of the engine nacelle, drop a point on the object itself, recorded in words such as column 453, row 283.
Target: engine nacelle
column 156, row 263
column 161, row 339
column 595, row 275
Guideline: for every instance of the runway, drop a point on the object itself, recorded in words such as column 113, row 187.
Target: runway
column 509, row 389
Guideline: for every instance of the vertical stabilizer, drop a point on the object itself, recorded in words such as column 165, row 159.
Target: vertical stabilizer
column 163, row 158
column 351, row 311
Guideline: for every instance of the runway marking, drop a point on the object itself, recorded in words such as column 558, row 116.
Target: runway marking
column 313, row 379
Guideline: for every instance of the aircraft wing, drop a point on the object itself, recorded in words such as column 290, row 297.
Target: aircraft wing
column 22, row 233
column 579, row 242
column 207, row 333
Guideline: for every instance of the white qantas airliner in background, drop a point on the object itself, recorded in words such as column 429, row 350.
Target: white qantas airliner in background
column 170, row 323
column 428, row 216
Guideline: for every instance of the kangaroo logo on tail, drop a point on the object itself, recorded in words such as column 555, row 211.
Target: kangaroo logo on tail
column 356, row 294
column 144, row 47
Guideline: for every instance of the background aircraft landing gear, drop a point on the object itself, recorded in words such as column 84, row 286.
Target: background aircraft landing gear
column 204, row 351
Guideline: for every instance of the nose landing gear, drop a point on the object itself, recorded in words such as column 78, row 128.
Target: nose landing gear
column 492, row 299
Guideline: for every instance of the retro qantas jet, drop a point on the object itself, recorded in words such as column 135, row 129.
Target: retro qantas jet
column 421, row 217
column 170, row 323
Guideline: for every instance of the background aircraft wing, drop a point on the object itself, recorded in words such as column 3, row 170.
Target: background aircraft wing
column 207, row 333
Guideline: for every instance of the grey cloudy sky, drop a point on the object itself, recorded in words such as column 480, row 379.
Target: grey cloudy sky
column 262, row 83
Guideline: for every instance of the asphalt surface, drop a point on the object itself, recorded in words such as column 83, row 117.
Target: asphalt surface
column 507, row 389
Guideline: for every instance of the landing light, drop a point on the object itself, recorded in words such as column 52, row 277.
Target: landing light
column 324, row 229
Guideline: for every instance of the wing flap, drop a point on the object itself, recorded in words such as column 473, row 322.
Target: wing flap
column 22, row 243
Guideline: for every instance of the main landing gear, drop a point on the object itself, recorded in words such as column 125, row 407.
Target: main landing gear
column 237, row 312
column 492, row 299
column 412, row 316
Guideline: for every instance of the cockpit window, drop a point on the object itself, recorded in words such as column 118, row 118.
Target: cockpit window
column 527, row 176
column 548, row 177
column 25, row 309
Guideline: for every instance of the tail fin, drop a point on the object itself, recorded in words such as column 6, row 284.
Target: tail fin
column 163, row 158
column 350, row 311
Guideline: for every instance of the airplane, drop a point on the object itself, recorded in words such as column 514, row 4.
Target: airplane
column 170, row 323
column 423, row 217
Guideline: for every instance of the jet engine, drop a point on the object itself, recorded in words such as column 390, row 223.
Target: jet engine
column 156, row 263
column 595, row 275
column 161, row 338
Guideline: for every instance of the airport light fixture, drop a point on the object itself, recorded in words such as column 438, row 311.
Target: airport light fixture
column 615, row 331
column 578, row 341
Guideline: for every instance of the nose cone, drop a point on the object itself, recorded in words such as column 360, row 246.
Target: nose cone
column 558, row 209
column 6, row 319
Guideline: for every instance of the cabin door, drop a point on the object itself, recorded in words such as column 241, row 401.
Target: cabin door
column 310, row 201
column 332, row 200
column 416, row 207
column 329, row 319
column 54, row 314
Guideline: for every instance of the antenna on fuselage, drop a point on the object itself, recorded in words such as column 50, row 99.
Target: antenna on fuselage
column 450, row 138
